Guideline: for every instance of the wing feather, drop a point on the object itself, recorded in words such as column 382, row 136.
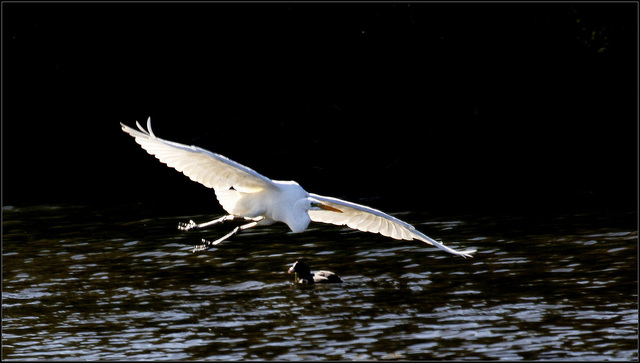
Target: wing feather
column 367, row 219
column 209, row 169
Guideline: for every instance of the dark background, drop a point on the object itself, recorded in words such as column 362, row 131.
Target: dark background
column 424, row 106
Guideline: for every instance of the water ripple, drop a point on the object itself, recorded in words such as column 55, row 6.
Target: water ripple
column 128, row 287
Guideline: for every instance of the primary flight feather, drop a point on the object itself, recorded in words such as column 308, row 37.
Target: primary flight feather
column 245, row 193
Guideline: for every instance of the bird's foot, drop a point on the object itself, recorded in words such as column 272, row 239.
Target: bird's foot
column 187, row 226
column 203, row 247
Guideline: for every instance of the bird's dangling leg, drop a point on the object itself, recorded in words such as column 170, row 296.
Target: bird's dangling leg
column 208, row 244
column 193, row 225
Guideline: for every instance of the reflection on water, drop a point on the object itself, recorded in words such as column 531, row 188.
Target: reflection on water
column 120, row 282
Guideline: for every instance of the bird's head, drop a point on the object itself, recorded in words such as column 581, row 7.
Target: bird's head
column 300, row 268
column 314, row 205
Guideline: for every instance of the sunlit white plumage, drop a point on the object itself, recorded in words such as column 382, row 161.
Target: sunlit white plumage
column 243, row 192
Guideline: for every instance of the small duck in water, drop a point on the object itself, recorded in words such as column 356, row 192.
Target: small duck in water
column 304, row 275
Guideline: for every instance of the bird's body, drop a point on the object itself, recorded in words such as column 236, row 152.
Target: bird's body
column 244, row 193
column 304, row 275
column 283, row 202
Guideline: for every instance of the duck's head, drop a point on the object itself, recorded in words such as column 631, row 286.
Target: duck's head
column 300, row 268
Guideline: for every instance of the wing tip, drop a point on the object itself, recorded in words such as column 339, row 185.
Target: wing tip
column 149, row 127
column 131, row 131
column 466, row 253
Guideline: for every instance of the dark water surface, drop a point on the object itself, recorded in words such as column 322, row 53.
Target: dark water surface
column 120, row 282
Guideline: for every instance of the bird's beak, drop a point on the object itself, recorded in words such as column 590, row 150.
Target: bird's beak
column 326, row 207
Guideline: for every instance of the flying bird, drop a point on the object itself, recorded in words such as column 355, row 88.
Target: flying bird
column 244, row 193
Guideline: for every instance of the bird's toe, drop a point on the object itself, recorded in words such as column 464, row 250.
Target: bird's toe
column 187, row 226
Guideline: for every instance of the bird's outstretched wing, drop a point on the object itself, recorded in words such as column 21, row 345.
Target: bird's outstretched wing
column 200, row 165
column 372, row 220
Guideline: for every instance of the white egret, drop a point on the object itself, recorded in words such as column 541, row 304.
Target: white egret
column 244, row 193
